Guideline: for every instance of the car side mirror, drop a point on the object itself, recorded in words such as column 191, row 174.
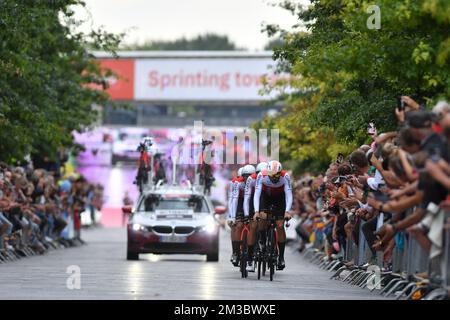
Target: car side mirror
column 220, row 210
column 127, row 209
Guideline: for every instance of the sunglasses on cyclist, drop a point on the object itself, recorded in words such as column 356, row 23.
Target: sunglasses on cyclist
column 276, row 175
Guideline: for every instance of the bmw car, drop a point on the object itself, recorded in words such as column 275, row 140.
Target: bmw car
column 173, row 220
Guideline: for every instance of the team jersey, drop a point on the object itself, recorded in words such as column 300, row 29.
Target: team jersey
column 249, row 193
column 236, row 197
column 264, row 185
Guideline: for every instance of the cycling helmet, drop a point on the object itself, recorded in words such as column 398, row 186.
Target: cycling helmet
column 239, row 173
column 274, row 168
column 248, row 170
column 261, row 166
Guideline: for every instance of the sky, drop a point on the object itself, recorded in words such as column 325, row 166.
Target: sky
column 171, row 19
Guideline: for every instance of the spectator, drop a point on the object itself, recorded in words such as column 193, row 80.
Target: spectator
column 35, row 209
column 399, row 184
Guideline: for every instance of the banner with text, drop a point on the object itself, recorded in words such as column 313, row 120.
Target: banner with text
column 201, row 79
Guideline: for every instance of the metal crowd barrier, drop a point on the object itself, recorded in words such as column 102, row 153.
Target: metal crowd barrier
column 364, row 254
column 416, row 259
column 399, row 255
column 407, row 261
column 351, row 250
column 446, row 253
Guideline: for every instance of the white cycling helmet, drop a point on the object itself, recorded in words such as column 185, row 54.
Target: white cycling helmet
column 239, row 172
column 274, row 167
column 248, row 170
column 261, row 166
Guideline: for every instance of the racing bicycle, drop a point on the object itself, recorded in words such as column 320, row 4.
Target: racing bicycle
column 268, row 258
column 244, row 248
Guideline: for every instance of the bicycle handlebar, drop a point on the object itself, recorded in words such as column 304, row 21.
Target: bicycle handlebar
column 272, row 218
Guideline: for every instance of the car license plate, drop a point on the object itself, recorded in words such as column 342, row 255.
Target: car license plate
column 173, row 239
column 174, row 214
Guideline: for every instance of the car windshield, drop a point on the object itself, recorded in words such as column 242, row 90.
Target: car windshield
column 152, row 203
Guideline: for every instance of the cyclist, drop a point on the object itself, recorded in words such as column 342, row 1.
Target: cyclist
column 144, row 163
column 236, row 210
column 249, row 211
column 206, row 168
column 273, row 188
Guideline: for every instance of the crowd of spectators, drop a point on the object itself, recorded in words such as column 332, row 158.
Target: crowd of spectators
column 397, row 185
column 40, row 210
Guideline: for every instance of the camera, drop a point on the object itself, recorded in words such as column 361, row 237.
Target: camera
column 371, row 129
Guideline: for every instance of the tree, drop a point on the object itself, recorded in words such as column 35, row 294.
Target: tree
column 45, row 69
column 274, row 43
column 353, row 74
column 209, row 41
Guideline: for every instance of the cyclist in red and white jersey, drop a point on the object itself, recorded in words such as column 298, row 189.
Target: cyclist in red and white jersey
column 249, row 212
column 273, row 188
column 236, row 209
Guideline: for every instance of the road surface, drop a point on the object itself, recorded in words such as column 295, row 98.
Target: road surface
column 106, row 274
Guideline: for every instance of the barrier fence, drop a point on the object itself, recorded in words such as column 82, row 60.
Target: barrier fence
column 446, row 255
column 409, row 272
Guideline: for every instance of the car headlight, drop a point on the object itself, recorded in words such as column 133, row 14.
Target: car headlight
column 138, row 227
column 210, row 226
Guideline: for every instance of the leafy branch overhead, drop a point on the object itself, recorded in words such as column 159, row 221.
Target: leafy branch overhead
column 353, row 74
column 44, row 68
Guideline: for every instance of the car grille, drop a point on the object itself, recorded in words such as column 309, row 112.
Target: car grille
column 184, row 230
column 162, row 229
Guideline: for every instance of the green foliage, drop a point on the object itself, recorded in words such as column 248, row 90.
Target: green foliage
column 209, row 41
column 274, row 43
column 44, row 69
column 354, row 74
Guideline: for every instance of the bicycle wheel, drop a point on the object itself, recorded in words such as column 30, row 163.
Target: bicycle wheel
column 264, row 259
column 271, row 253
column 259, row 262
column 243, row 262
column 258, row 257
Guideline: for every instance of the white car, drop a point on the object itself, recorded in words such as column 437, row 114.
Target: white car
column 173, row 220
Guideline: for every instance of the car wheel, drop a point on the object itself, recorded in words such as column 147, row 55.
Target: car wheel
column 132, row 255
column 213, row 255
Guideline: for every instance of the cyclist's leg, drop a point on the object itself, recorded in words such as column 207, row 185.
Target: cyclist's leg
column 262, row 224
column 252, row 226
column 236, row 231
column 251, row 239
column 281, row 232
column 239, row 219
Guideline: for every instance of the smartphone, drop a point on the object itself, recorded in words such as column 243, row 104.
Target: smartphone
column 400, row 104
column 371, row 129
